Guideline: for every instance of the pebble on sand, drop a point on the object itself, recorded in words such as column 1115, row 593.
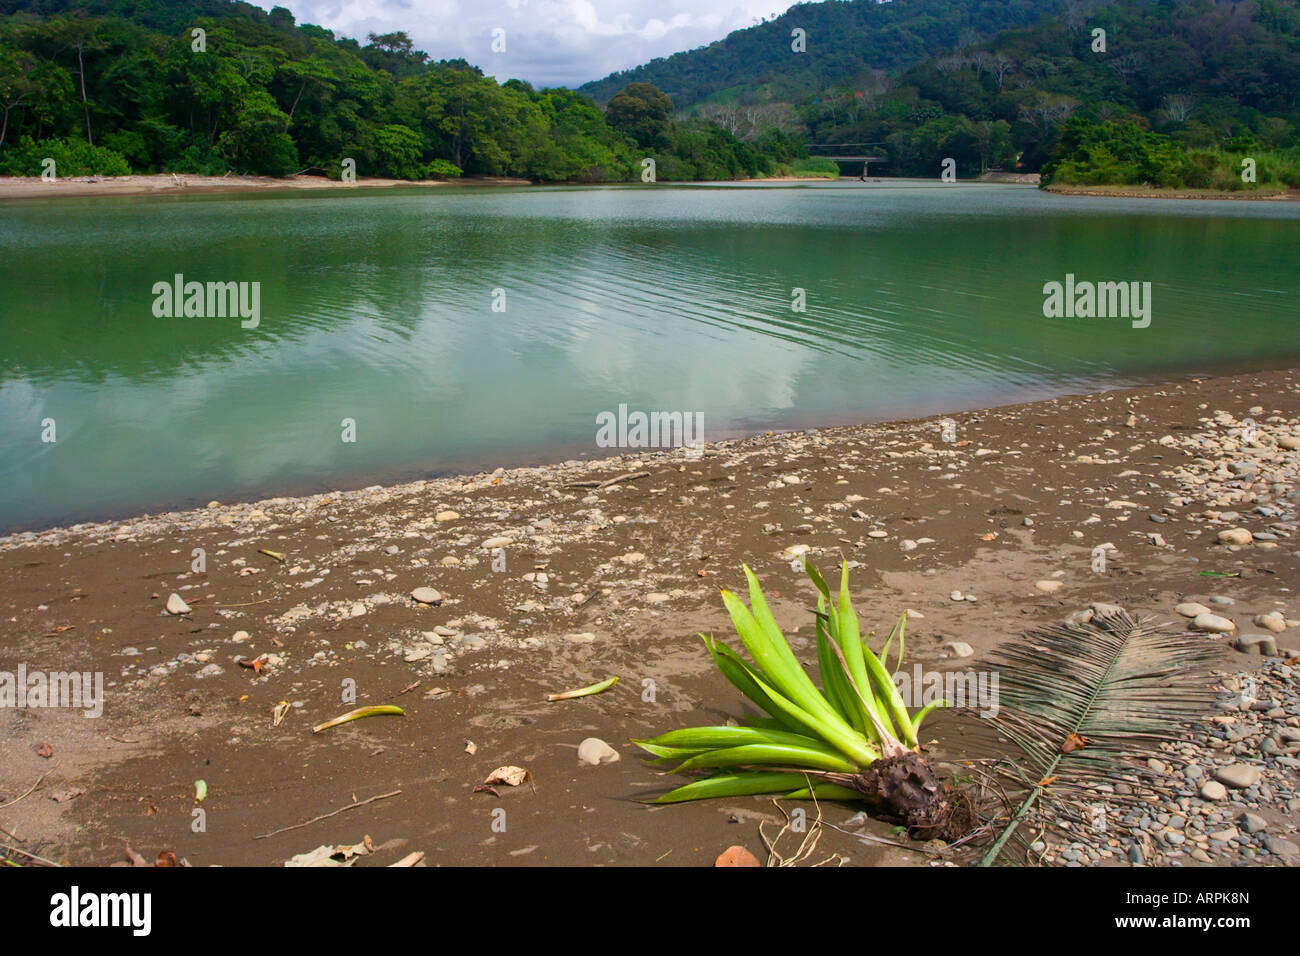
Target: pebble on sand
column 1213, row 623
column 1235, row 536
column 426, row 596
column 595, row 751
column 175, row 605
column 1239, row 775
column 1273, row 621
column 1213, row 790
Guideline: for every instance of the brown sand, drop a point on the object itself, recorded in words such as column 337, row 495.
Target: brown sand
column 32, row 187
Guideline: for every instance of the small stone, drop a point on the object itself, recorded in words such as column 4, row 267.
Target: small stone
column 1272, row 620
column 595, row 751
column 1252, row 822
column 1047, row 586
column 392, row 549
column 1213, row 623
column 358, row 609
column 1264, row 645
column 442, row 516
column 960, row 649
column 955, row 595
column 175, row 605
column 1235, row 536
column 1280, row 847
column 1239, row 775
column 1191, row 609
column 239, row 637
column 426, row 596
column 1213, row 790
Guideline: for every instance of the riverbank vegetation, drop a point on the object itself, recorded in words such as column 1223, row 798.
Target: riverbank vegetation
column 111, row 87
column 1166, row 93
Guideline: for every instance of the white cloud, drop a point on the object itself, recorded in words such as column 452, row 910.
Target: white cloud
column 548, row 42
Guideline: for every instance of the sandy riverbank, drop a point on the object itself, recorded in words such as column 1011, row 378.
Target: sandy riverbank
column 162, row 184
column 1147, row 192
column 617, row 579
column 30, row 187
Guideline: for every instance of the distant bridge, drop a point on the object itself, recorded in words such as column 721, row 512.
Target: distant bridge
column 847, row 153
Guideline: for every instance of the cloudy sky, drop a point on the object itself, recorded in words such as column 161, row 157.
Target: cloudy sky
column 548, row 42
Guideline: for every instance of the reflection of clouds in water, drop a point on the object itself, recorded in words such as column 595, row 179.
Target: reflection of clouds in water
column 22, row 407
column 616, row 361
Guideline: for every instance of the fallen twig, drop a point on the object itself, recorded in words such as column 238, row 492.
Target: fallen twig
column 29, row 789
column 326, row 816
column 246, row 603
column 630, row 476
column 30, row 856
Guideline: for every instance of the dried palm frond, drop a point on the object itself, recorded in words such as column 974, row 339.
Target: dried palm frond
column 1085, row 702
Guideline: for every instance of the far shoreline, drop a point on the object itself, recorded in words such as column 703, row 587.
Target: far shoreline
column 1148, row 192
column 169, row 184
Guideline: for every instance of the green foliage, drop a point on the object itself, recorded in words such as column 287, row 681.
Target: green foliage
column 395, row 152
column 72, row 157
column 641, row 111
column 270, row 97
column 853, row 719
column 844, row 40
column 815, row 166
column 992, row 85
column 441, row 169
column 1122, row 153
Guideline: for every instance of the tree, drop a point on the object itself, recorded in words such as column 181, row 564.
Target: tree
column 78, row 34
column 642, row 112
column 16, row 84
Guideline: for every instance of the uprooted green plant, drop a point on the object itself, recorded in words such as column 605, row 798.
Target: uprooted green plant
column 851, row 739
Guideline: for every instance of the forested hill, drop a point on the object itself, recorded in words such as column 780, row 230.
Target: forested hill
column 1169, row 93
column 845, row 40
column 113, row 87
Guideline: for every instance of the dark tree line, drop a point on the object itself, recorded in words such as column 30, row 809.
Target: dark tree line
column 120, row 86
